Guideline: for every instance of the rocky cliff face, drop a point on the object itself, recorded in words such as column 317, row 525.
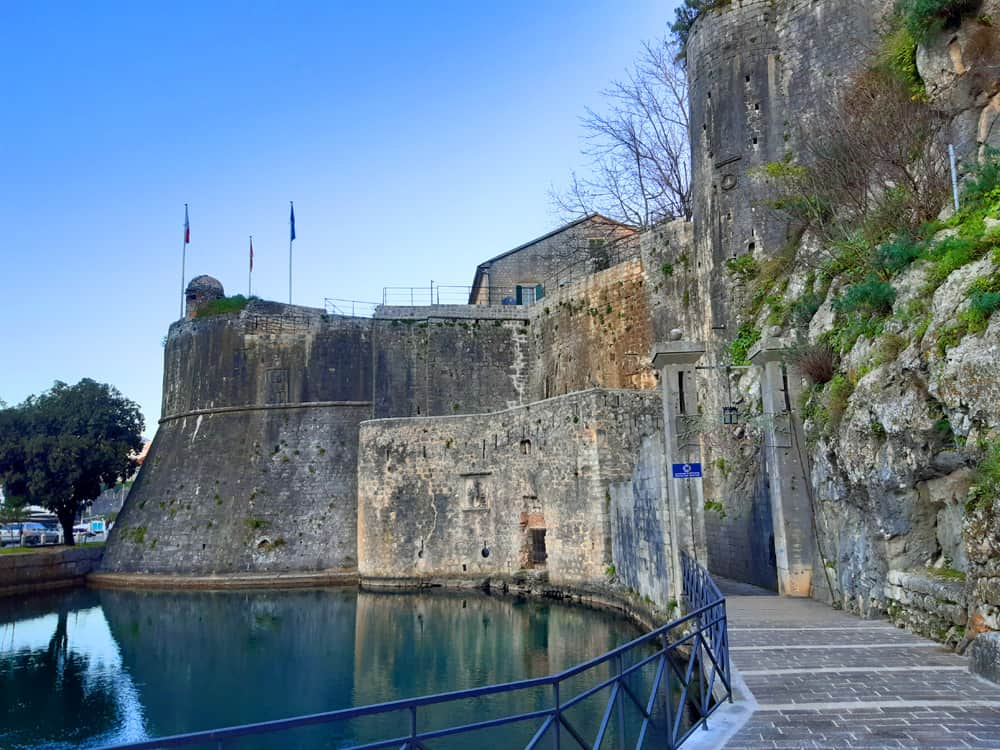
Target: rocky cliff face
column 895, row 443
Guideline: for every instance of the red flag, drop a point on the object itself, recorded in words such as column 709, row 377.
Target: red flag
column 187, row 226
column 251, row 253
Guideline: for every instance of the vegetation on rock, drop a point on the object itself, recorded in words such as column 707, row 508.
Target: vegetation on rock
column 923, row 17
column 687, row 13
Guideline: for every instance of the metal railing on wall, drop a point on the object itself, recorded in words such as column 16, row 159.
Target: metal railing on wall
column 444, row 294
column 653, row 692
column 350, row 307
column 584, row 265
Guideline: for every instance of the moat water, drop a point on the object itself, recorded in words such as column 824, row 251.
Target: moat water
column 90, row 667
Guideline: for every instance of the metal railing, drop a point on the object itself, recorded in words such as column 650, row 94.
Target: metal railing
column 352, row 307
column 653, row 692
column 444, row 294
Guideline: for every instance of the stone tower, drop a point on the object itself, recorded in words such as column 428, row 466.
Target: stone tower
column 201, row 291
column 760, row 71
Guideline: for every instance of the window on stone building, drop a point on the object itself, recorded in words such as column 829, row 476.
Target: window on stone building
column 527, row 293
column 538, row 553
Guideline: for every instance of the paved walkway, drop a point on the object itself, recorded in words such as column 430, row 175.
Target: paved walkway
column 825, row 679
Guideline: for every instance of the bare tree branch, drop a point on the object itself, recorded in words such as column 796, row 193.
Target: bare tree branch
column 638, row 147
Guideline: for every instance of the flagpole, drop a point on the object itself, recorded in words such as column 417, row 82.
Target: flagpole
column 291, row 237
column 184, row 238
column 250, row 273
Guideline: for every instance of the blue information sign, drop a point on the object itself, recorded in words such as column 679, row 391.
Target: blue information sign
column 687, row 471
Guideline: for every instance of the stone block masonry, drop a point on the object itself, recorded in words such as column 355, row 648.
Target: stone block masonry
column 449, row 365
column 249, row 490
column 526, row 491
column 640, row 530
column 594, row 333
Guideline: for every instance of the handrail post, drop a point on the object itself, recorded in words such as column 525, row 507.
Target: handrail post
column 668, row 696
column 557, row 716
column 413, row 727
column 620, row 682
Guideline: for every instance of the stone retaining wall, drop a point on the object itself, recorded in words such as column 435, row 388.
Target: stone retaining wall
column 927, row 605
column 28, row 572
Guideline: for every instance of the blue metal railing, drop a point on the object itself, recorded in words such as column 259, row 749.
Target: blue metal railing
column 655, row 692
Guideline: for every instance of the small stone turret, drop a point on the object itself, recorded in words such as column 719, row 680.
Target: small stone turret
column 201, row 291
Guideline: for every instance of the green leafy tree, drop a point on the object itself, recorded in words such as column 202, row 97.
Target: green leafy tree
column 61, row 448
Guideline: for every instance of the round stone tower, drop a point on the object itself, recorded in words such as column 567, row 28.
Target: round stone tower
column 760, row 71
column 201, row 291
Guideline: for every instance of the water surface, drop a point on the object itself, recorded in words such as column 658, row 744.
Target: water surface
column 90, row 667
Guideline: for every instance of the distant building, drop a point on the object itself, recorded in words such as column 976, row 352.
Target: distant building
column 522, row 275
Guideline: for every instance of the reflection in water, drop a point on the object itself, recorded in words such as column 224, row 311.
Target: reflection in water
column 61, row 677
column 91, row 667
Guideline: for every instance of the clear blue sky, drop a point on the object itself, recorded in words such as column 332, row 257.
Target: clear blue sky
column 416, row 139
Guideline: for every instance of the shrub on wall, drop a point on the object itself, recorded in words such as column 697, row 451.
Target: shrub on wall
column 689, row 12
column 870, row 297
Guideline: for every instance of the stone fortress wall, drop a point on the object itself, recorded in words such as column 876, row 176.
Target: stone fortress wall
column 465, row 497
column 255, row 465
column 433, row 433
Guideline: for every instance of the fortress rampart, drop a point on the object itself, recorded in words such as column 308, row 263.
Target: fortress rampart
column 254, row 468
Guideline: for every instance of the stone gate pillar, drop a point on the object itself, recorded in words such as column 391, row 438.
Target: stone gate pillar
column 785, row 459
column 675, row 361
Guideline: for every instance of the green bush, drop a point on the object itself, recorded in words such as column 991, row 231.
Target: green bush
column 804, row 308
column 889, row 347
column 950, row 255
column 896, row 256
column 984, row 179
column 923, row 17
column 871, row 296
column 745, row 267
column 981, row 306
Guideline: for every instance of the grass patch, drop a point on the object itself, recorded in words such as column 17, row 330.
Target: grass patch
column 945, row 574
column 224, row 306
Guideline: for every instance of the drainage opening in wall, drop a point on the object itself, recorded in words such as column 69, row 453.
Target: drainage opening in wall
column 486, row 552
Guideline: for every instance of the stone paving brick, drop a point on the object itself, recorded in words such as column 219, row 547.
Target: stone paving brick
column 942, row 706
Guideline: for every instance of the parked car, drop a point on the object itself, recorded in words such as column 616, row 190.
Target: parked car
column 28, row 534
column 10, row 535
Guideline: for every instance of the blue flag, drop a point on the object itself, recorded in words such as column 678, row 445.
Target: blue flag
column 292, row 220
